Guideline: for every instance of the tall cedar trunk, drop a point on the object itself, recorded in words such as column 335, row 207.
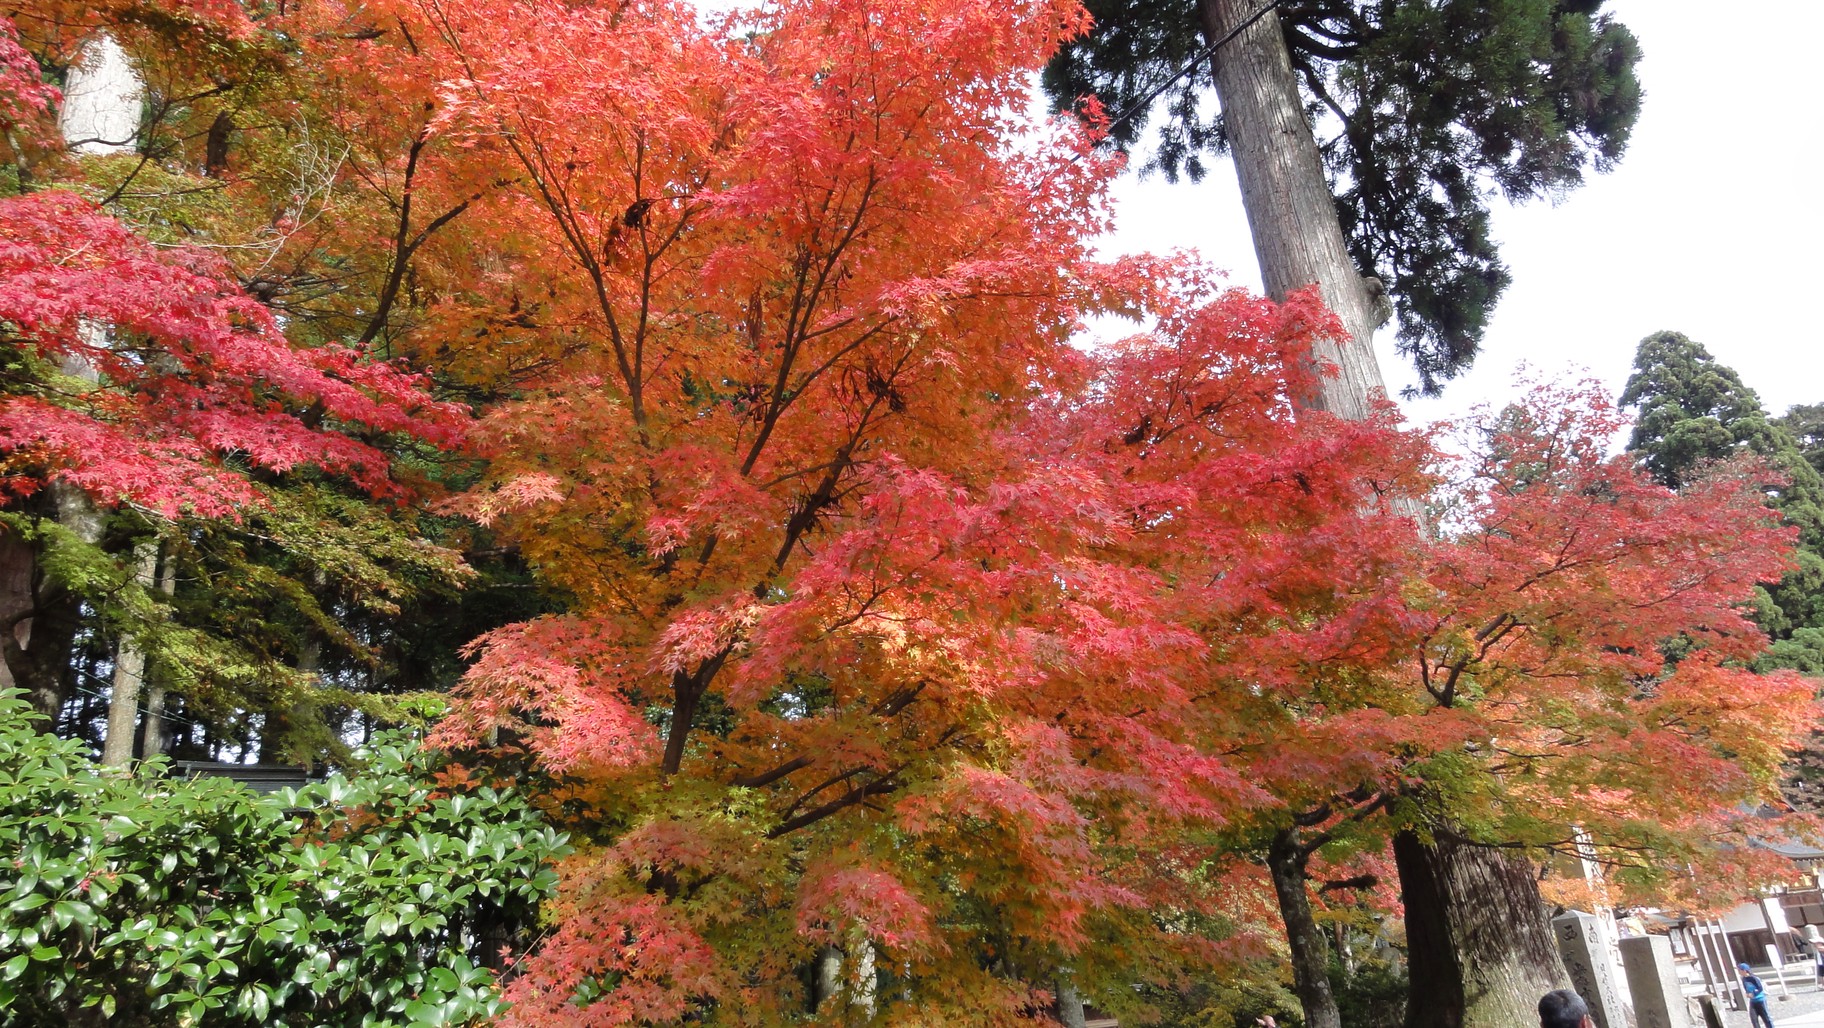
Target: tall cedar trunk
column 276, row 733
column 99, row 114
column 1286, row 862
column 277, row 743
column 1297, row 243
column 1482, row 902
column 42, row 667
column 153, row 735
column 1479, row 947
column 866, row 977
column 101, row 99
column 129, row 674
column 1297, row 237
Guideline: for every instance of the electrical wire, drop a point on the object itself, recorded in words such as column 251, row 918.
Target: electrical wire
column 142, row 708
column 1189, row 66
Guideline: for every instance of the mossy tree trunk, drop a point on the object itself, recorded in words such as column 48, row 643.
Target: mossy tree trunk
column 1479, row 945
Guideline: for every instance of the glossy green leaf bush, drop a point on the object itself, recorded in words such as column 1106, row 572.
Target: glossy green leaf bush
column 368, row 899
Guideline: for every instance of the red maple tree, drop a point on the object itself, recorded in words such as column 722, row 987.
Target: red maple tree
column 901, row 635
column 156, row 381
column 899, row 624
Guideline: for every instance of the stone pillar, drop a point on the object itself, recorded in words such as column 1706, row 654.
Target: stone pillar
column 1653, row 980
column 1580, row 942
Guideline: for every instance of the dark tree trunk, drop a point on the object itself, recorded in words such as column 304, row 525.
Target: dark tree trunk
column 42, row 666
column 278, row 731
column 1291, row 212
column 18, row 570
column 1286, row 862
column 39, row 619
column 1479, row 946
column 215, row 145
column 491, row 938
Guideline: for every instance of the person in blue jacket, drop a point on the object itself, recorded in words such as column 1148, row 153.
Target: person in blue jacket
column 1757, row 998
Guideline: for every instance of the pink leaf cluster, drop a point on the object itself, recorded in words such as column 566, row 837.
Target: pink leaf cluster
column 173, row 379
column 842, row 902
column 27, row 103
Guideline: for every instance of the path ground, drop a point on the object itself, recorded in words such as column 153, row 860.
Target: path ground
column 1803, row 1009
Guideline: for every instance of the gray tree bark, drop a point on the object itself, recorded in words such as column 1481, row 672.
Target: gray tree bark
column 1298, row 242
column 863, row 948
column 101, row 95
column 1286, row 863
column 129, row 673
column 828, row 983
column 153, row 735
column 1480, row 949
column 1070, row 1004
column 99, row 115
column 1291, row 213
column 1469, row 897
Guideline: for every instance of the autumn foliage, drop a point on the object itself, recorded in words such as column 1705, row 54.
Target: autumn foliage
column 900, row 635
column 163, row 369
column 1597, row 624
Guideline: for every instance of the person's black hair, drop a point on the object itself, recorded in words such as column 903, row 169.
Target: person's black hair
column 1562, row 1008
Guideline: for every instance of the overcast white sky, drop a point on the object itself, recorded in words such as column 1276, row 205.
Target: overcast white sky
column 1713, row 225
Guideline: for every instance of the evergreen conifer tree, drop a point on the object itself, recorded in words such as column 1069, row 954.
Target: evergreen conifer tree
column 1422, row 109
column 1694, row 411
column 1439, row 103
column 1806, row 423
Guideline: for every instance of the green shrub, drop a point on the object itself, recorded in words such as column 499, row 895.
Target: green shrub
column 139, row 899
column 1372, row 995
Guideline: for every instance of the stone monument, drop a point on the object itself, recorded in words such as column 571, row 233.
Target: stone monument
column 1580, row 943
column 1653, row 980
